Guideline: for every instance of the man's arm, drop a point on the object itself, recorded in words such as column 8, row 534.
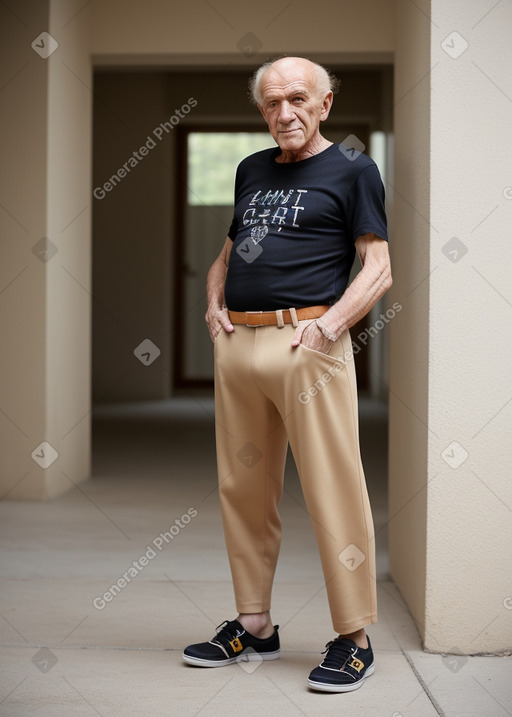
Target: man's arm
column 217, row 318
column 368, row 287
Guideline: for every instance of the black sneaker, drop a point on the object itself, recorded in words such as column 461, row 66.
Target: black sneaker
column 344, row 667
column 233, row 643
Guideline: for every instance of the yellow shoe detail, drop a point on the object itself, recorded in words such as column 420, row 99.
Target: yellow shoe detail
column 357, row 664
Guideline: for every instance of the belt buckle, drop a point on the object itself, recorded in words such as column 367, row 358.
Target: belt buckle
column 254, row 326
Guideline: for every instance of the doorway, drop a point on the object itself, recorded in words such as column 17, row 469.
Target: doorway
column 208, row 159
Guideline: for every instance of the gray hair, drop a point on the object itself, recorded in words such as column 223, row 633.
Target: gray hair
column 325, row 80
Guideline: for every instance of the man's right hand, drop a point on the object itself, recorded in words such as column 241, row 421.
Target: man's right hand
column 217, row 320
column 217, row 317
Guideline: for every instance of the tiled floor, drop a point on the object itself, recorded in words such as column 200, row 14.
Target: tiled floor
column 65, row 652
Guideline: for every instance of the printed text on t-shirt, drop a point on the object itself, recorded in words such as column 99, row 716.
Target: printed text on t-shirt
column 275, row 207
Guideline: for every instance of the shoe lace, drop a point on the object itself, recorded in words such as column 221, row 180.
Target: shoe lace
column 226, row 632
column 337, row 653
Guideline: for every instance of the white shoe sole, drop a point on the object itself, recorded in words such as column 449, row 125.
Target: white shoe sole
column 325, row 687
column 249, row 656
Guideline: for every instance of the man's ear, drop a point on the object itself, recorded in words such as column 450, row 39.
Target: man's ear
column 326, row 106
column 261, row 110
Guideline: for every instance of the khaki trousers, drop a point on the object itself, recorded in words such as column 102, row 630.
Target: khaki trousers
column 266, row 395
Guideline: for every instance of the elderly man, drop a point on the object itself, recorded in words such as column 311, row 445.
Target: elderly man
column 279, row 313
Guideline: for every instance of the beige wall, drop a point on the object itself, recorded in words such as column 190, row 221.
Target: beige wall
column 68, row 298
column 191, row 32
column 451, row 497
column 408, row 395
column 23, row 125
column 470, row 322
column 45, row 305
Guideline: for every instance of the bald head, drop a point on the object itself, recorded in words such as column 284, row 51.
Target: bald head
column 294, row 96
column 287, row 69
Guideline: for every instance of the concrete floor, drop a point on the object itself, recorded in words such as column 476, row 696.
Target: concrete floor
column 65, row 652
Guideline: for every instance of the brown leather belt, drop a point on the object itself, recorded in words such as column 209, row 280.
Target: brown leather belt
column 276, row 318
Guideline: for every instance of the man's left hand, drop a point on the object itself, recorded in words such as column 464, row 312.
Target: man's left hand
column 308, row 334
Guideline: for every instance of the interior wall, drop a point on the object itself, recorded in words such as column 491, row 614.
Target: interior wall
column 228, row 31
column 45, row 301
column 68, row 300
column 131, row 236
column 469, row 536
column 450, row 493
column 23, row 120
column 134, row 227
column 408, row 395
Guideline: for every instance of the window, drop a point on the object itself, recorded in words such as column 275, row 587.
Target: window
column 212, row 161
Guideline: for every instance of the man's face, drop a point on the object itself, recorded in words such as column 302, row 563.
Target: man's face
column 291, row 104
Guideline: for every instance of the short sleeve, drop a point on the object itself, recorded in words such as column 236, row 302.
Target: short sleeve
column 233, row 229
column 366, row 211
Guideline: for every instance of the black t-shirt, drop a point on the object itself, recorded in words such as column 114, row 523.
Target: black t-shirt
column 295, row 225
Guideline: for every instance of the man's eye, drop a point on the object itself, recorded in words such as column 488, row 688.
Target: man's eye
column 298, row 99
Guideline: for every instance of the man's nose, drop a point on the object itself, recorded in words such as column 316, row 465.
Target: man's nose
column 286, row 113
